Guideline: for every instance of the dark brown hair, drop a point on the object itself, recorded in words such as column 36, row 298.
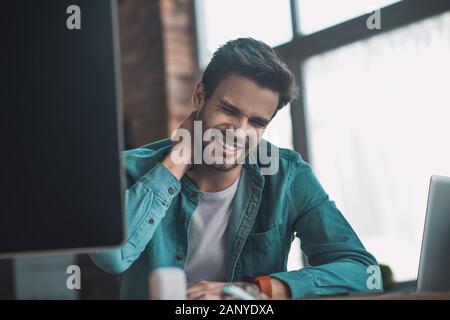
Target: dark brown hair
column 253, row 59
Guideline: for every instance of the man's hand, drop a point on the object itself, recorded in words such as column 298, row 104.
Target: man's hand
column 182, row 150
column 208, row 290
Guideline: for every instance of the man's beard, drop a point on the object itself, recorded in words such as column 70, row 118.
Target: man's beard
column 223, row 167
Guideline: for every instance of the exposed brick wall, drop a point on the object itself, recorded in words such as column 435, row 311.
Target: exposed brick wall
column 143, row 73
column 181, row 66
column 159, row 66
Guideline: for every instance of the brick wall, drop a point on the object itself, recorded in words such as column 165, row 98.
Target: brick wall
column 143, row 74
column 180, row 53
column 159, row 66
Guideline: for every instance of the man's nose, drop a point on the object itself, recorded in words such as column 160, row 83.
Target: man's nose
column 246, row 134
column 243, row 123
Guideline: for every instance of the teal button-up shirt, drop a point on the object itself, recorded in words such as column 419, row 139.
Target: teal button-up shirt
column 268, row 212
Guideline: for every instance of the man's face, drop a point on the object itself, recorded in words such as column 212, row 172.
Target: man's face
column 237, row 104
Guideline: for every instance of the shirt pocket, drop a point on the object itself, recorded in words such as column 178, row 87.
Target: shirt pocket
column 262, row 253
column 263, row 241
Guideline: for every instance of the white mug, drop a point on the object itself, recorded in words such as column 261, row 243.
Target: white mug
column 168, row 283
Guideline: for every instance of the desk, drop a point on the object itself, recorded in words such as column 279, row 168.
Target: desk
column 392, row 296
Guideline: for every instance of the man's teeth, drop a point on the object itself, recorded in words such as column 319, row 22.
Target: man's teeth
column 227, row 146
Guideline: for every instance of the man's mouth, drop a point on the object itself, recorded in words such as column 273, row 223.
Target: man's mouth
column 229, row 148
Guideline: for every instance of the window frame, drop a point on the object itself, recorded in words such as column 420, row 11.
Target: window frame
column 295, row 52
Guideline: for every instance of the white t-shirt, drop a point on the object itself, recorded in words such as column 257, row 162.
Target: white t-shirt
column 207, row 236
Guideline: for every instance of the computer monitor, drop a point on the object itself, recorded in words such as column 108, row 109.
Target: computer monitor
column 434, row 264
column 60, row 132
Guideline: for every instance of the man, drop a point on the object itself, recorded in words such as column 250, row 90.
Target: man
column 224, row 221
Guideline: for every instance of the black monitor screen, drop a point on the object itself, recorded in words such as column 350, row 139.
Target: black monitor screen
column 60, row 118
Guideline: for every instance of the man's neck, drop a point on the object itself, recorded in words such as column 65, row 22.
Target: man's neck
column 209, row 179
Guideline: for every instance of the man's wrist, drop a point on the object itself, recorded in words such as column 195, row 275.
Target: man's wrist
column 264, row 284
column 271, row 287
column 280, row 289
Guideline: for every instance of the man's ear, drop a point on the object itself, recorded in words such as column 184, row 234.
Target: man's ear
column 198, row 98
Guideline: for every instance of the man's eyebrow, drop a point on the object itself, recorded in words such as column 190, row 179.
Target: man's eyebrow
column 235, row 109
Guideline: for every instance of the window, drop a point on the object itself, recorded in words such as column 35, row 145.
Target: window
column 375, row 141
column 279, row 130
column 221, row 20
column 315, row 15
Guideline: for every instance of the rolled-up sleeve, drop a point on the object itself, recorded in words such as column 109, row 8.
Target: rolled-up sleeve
column 339, row 263
column 146, row 204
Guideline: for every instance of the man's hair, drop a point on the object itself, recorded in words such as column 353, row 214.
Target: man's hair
column 255, row 60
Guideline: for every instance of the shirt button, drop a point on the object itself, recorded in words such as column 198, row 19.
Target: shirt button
column 184, row 220
column 195, row 194
column 170, row 190
column 151, row 221
column 179, row 257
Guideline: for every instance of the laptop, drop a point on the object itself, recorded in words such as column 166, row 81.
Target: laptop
column 434, row 266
